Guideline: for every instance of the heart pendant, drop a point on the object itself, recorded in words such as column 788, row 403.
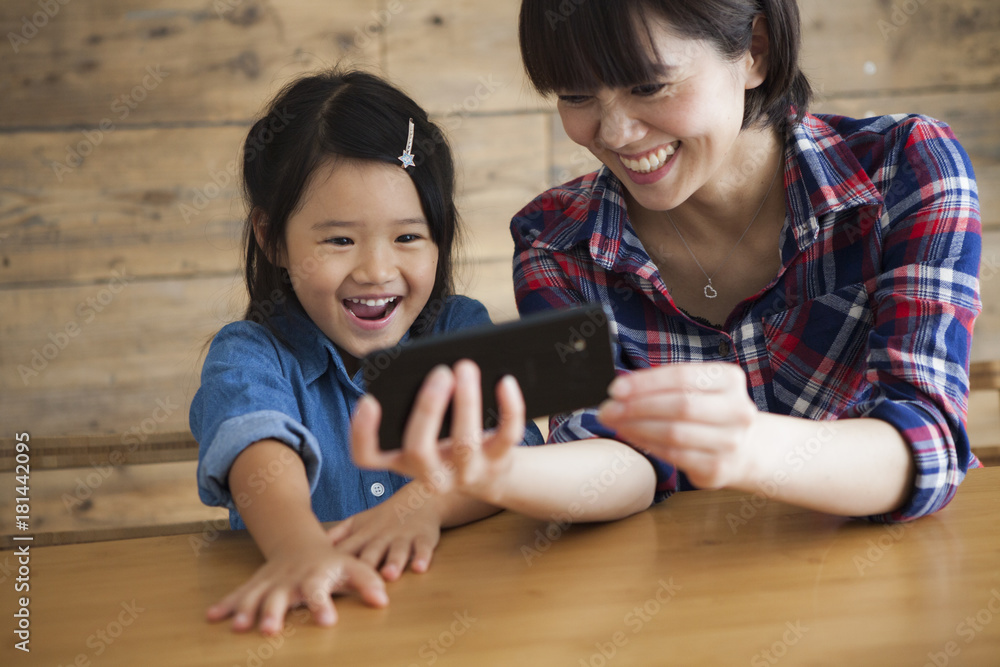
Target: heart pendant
column 710, row 292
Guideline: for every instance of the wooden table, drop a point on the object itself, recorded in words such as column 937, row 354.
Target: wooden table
column 706, row 578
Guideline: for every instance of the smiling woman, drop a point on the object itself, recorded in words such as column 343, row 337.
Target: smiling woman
column 750, row 307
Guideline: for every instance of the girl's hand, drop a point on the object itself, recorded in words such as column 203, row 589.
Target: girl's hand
column 403, row 529
column 696, row 416
column 306, row 572
column 475, row 462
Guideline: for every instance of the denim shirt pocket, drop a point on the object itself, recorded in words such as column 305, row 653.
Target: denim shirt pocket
column 817, row 352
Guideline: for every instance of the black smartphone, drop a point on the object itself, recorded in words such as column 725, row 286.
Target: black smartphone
column 561, row 359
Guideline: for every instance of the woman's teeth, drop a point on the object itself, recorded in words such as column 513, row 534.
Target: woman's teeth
column 650, row 162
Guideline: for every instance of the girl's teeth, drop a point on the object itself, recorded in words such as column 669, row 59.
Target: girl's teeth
column 374, row 302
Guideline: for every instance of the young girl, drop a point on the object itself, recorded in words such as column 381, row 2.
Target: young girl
column 349, row 235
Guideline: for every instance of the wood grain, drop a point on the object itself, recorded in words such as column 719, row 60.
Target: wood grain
column 218, row 59
column 666, row 584
column 159, row 99
column 152, row 203
column 108, row 501
column 860, row 48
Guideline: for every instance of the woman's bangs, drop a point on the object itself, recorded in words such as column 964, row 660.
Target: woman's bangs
column 595, row 46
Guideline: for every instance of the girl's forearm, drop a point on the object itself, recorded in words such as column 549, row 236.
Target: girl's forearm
column 275, row 507
column 849, row 467
column 586, row 480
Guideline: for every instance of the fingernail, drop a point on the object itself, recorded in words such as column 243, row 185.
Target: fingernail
column 610, row 410
column 618, row 387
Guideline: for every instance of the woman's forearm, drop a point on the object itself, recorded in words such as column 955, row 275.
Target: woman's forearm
column 586, row 480
column 850, row 467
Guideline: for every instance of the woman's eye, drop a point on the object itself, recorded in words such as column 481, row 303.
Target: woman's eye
column 647, row 89
column 573, row 99
column 339, row 241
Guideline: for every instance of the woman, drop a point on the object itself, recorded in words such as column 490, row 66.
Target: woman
column 793, row 295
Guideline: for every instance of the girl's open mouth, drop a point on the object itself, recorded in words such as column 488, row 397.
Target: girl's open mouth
column 371, row 310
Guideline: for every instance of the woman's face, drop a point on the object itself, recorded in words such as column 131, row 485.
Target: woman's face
column 667, row 139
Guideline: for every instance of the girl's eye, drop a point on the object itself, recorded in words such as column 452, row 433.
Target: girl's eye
column 648, row 89
column 339, row 241
column 408, row 238
column 573, row 99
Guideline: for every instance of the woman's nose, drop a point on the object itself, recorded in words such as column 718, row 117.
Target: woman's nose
column 618, row 127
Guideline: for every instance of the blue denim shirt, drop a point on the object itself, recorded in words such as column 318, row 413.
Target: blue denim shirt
column 255, row 387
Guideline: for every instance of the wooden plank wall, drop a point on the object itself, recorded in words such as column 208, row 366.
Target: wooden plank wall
column 119, row 221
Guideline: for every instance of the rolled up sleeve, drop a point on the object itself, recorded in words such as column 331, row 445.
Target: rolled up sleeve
column 245, row 397
column 236, row 434
column 926, row 301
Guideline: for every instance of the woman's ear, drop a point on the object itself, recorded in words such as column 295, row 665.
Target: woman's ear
column 759, row 54
column 259, row 221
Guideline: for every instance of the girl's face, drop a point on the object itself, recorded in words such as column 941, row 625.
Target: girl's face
column 360, row 254
column 668, row 138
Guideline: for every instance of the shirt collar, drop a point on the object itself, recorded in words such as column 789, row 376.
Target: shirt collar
column 822, row 177
column 591, row 210
column 312, row 348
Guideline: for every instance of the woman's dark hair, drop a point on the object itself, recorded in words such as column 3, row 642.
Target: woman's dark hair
column 583, row 45
column 350, row 115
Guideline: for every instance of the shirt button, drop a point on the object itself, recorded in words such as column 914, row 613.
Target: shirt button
column 723, row 348
column 377, row 489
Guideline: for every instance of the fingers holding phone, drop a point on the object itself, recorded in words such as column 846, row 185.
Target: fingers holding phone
column 471, row 459
column 420, row 459
column 480, row 460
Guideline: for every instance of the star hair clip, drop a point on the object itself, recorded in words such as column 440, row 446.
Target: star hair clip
column 407, row 157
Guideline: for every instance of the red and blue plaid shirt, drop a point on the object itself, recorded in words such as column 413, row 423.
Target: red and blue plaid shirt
column 870, row 315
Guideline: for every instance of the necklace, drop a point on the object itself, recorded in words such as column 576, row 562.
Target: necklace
column 710, row 291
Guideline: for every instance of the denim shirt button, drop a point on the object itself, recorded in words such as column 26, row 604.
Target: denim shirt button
column 378, row 489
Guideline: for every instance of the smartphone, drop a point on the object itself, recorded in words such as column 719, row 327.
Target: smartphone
column 562, row 360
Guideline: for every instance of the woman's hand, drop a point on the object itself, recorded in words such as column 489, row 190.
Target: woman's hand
column 473, row 461
column 696, row 416
column 305, row 572
column 403, row 529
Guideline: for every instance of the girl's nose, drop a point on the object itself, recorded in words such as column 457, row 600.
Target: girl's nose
column 375, row 267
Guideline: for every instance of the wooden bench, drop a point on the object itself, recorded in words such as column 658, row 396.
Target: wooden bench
column 92, row 488
column 984, row 411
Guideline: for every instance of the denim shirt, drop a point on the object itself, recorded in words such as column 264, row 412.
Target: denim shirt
column 256, row 387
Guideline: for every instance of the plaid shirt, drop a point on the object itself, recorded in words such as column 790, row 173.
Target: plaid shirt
column 870, row 315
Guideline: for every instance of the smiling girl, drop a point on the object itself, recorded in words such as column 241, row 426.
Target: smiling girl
column 349, row 235
column 349, row 239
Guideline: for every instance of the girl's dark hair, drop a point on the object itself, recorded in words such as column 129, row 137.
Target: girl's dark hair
column 583, row 45
column 350, row 115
